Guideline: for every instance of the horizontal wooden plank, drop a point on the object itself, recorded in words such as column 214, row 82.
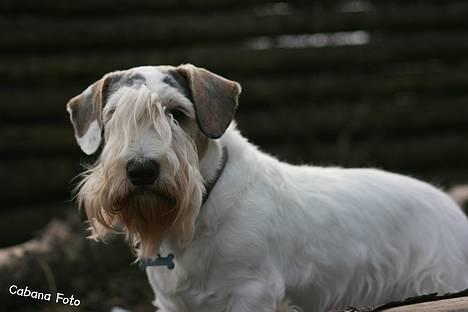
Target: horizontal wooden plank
column 42, row 140
column 356, row 119
column 114, row 7
column 443, row 177
column 327, row 121
column 412, row 154
column 34, row 179
column 290, row 89
column 19, row 223
column 35, row 104
column 238, row 61
column 29, row 104
column 40, row 34
column 107, row 7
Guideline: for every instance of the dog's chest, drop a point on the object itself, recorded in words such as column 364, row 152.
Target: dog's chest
column 195, row 284
column 185, row 289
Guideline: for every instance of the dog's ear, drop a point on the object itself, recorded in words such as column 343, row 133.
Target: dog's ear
column 215, row 99
column 85, row 112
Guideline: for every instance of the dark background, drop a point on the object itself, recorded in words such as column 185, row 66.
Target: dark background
column 348, row 83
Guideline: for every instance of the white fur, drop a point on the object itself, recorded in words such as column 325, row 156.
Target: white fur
column 273, row 235
column 89, row 142
column 324, row 238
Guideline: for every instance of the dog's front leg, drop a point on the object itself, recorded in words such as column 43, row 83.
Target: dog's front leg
column 259, row 297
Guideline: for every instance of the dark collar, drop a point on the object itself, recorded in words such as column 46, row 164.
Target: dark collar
column 209, row 185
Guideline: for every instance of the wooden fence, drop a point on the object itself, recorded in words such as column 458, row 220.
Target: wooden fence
column 350, row 83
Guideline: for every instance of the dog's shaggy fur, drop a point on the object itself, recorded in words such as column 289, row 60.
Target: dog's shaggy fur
column 270, row 236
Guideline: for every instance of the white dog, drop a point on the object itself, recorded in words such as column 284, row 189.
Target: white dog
column 248, row 232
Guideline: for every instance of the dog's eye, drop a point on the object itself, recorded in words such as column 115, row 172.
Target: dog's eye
column 178, row 115
column 108, row 114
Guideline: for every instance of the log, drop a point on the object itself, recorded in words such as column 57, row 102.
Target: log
column 431, row 303
column 460, row 194
column 448, row 305
column 62, row 259
column 20, row 262
column 43, row 263
column 457, row 302
column 165, row 30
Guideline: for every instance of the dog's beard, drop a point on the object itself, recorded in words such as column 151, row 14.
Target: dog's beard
column 147, row 216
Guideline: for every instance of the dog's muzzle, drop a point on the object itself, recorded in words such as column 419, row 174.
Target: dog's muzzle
column 142, row 172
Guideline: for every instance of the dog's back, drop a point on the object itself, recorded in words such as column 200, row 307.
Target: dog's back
column 337, row 237
column 374, row 237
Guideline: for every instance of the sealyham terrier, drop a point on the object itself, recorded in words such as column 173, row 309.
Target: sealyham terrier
column 244, row 231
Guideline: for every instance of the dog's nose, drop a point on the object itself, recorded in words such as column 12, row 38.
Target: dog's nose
column 142, row 172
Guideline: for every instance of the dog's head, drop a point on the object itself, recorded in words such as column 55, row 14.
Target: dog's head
column 151, row 126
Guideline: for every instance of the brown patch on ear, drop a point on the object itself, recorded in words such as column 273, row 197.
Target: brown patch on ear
column 85, row 113
column 85, row 108
column 215, row 99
